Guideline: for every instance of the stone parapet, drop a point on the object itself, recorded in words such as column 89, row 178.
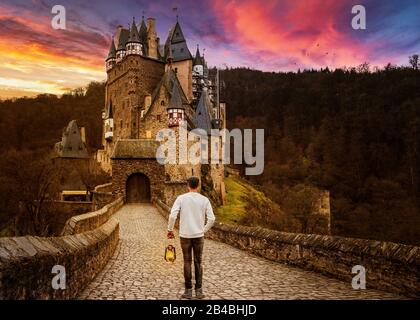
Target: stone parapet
column 389, row 266
column 26, row 262
column 92, row 220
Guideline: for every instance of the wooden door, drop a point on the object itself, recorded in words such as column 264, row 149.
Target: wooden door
column 138, row 189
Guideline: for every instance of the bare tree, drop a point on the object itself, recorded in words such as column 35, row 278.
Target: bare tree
column 91, row 174
column 414, row 61
column 35, row 181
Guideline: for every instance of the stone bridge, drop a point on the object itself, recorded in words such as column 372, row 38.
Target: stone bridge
column 117, row 253
column 137, row 269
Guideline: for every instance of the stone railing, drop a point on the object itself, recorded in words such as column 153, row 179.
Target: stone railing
column 389, row 266
column 92, row 220
column 26, row 262
column 102, row 195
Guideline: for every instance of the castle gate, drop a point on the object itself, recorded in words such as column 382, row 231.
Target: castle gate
column 137, row 188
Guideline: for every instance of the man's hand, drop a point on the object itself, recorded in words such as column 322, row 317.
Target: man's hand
column 170, row 235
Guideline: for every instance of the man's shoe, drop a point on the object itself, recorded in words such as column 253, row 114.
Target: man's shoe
column 187, row 294
column 199, row 293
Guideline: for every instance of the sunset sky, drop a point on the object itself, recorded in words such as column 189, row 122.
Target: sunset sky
column 271, row 35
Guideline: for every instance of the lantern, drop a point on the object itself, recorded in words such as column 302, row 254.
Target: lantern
column 170, row 253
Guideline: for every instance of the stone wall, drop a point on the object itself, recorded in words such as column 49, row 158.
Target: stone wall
column 123, row 168
column 102, row 195
column 389, row 266
column 92, row 220
column 63, row 211
column 26, row 262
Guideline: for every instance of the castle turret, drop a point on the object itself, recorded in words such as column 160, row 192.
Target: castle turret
column 112, row 56
column 198, row 64
column 123, row 35
column 133, row 45
column 143, row 36
column 176, row 45
column 152, row 39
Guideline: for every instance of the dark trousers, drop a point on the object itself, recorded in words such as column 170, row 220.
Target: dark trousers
column 192, row 247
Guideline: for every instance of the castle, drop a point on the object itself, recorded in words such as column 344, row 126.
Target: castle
column 151, row 87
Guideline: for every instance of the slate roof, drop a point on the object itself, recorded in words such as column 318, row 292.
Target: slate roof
column 134, row 34
column 112, row 51
column 202, row 118
column 198, row 59
column 122, row 39
column 171, row 84
column 177, row 45
column 71, row 144
column 143, row 36
column 135, row 149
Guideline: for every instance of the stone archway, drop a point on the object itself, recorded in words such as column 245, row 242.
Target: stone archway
column 137, row 188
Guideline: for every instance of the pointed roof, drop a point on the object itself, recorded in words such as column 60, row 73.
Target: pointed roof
column 143, row 31
column 123, row 36
column 112, row 50
column 172, row 85
column 134, row 34
column 177, row 35
column 202, row 118
column 177, row 45
column 176, row 100
column 198, row 59
column 71, row 144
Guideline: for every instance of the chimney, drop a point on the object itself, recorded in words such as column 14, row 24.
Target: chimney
column 83, row 134
column 152, row 38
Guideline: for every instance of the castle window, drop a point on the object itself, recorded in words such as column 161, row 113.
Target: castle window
column 162, row 103
column 121, row 124
column 134, row 124
column 158, row 117
column 192, row 171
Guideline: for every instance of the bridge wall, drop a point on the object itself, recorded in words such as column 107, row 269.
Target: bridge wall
column 87, row 243
column 389, row 266
column 92, row 220
column 26, row 262
column 102, row 195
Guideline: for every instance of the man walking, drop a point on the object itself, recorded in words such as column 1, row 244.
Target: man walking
column 193, row 209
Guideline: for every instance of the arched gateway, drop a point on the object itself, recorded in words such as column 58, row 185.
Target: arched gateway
column 137, row 188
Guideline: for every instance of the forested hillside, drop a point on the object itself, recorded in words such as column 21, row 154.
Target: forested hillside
column 353, row 132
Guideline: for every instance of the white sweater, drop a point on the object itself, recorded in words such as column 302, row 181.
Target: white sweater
column 193, row 208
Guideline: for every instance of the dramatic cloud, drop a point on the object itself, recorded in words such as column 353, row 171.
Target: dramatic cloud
column 269, row 35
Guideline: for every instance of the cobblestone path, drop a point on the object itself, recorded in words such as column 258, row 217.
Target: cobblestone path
column 138, row 270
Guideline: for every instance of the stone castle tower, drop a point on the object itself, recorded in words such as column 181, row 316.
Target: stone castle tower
column 151, row 87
